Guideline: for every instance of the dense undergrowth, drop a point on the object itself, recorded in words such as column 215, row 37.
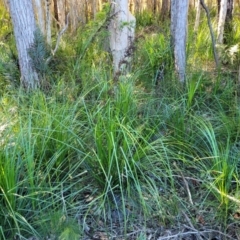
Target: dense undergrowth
column 86, row 156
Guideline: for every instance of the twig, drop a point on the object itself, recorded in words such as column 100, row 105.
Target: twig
column 186, row 184
column 63, row 200
column 58, row 40
column 239, row 75
column 211, row 32
column 191, row 225
column 189, row 178
column 176, row 236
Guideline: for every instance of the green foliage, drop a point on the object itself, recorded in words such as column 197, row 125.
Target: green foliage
column 156, row 56
column 117, row 141
column 35, row 156
column 59, row 226
column 94, row 153
column 39, row 53
column 144, row 18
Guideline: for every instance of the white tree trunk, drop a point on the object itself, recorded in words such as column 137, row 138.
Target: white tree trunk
column 48, row 21
column 24, row 26
column 40, row 15
column 179, row 12
column 122, row 29
column 198, row 14
column 221, row 21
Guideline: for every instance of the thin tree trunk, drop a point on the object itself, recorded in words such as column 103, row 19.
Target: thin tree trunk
column 198, row 14
column 191, row 4
column 86, row 10
column 24, row 26
column 94, row 9
column 75, row 7
column 131, row 6
column 137, row 6
column 55, row 9
column 61, row 12
column 221, row 21
column 40, row 15
column 228, row 22
column 48, row 21
column 164, row 9
column 219, row 6
column 211, row 32
column 179, row 11
column 154, row 7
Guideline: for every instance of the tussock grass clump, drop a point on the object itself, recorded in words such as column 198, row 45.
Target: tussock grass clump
column 138, row 157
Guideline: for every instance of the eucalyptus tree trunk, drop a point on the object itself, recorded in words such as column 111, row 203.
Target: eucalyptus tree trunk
column 218, row 6
column 86, row 11
column 77, row 13
column 179, row 12
column 191, row 4
column 221, row 21
column 198, row 14
column 137, row 6
column 24, row 26
column 164, row 9
column 155, row 8
column 60, row 12
column 121, row 29
column 48, row 21
column 131, row 6
column 40, row 15
column 93, row 9
column 228, row 28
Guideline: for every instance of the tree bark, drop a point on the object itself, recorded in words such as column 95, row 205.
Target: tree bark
column 164, row 10
column 221, row 21
column 24, row 26
column 60, row 12
column 179, row 11
column 198, row 14
column 154, row 7
column 122, row 28
column 228, row 22
column 40, row 15
column 219, row 6
column 48, row 21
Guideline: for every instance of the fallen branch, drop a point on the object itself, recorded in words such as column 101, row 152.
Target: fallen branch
column 185, row 183
column 184, row 234
column 191, row 225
